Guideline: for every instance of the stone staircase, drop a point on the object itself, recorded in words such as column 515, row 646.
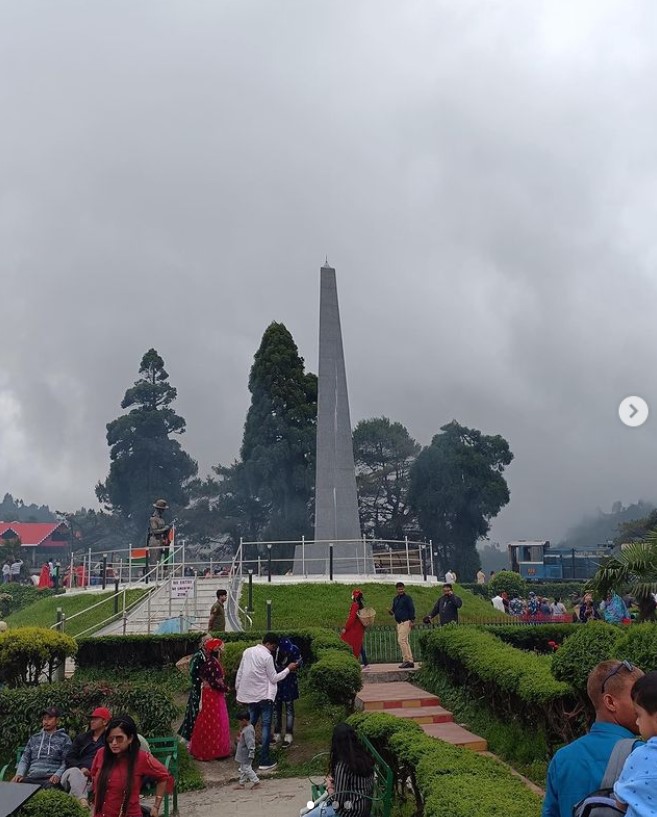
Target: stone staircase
column 386, row 688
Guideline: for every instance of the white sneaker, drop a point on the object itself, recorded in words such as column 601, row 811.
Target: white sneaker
column 288, row 739
column 277, row 737
column 269, row 768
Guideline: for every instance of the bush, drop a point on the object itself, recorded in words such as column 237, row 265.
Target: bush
column 52, row 803
column 507, row 580
column 337, row 677
column 517, row 685
column 20, row 709
column 639, row 645
column 532, row 637
column 29, row 653
column 586, row 648
column 14, row 596
column 449, row 780
column 477, row 589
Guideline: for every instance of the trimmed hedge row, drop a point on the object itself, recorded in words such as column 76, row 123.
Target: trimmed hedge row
column 532, row 637
column 446, row 779
column 518, row 685
column 550, row 589
column 29, row 653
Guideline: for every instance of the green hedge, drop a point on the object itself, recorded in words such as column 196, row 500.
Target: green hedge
column 449, row 780
column 518, row 685
column 14, row 596
column 638, row 645
column 30, row 653
column 532, row 637
column 585, row 649
column 20, row 709
column 52, row 803
column 550, row 589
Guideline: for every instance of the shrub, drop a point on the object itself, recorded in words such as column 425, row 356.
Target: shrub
column 20, row 709
column 533, row 637
column 52, row 803
column 14, row 596
column 472, row 785
column 507, row 580
column 639, row 645
column 336, row 676
column 586, row 648
column 29, row 653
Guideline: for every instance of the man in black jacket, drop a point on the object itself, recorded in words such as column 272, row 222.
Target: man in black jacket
column 404, row 612
column 77, row 776
column 447, row 607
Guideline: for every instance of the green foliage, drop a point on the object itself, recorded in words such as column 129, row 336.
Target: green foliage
column 633, row 568
column 515, row 683
column 383, row 453
column 145, row 462
column 52, row 803
column 589, row 645
column 449, row 780
column 32, row 652
column 532, row 637
column 20, row 709
column 639, row 645
column 456, row 488
column 510, row 581
column 336, row 676
column 135, row 651
column 14, row 597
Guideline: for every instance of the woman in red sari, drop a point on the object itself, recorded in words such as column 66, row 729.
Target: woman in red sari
column 353, row 631
column 44, row 576
column 119, row 769
column 211, row 734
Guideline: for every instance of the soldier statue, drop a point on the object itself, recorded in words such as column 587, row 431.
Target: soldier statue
column 158, row 530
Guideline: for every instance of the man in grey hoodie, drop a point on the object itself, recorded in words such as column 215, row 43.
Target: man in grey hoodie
column 42, row 761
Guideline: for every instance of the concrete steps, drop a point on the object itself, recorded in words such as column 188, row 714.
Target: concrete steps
column 387, row 688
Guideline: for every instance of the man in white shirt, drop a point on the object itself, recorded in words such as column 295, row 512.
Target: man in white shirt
column 498, row 603
column 256, row 686
column 450, row 577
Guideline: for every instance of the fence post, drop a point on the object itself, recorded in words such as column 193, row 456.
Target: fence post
column 116, row 596
column 268, row 614
column 148, row 613
column 331, row 561
column 130, row 564
column 88, row 570
column 59, row 673
column 364, row 555
column 249, row 609
column 408, row 563
column 242, row 558
column 423, row 549
column 104, row 568
column 433, row 569
column 269, row 563
column 303, row 556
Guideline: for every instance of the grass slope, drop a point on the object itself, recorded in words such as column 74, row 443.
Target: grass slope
column 327, row 605
column 43, row 613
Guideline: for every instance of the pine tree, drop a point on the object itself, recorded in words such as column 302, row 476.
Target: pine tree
column 146, row 463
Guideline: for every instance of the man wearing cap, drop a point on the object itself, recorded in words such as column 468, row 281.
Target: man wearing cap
column 42, row 761
column 77, row 777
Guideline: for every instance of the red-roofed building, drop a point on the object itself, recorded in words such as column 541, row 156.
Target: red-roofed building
column 44, row 539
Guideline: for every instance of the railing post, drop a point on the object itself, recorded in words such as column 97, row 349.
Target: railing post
column 130, row 564
column 104, row 569
column 116, row 596
column 269, row 563
column 259, row 566
column 148, row 613
column 88, row 569
column 365, row 571
column 331, row 561
column 249, row 609
column 268, row 614
column 303, row 555
column 423, row 549
column 242, row 557
column 433, row 568
column 408, row 563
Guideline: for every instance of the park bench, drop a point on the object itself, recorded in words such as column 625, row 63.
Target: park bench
column 163, row 749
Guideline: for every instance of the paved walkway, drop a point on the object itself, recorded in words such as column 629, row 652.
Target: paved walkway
column 282, row 797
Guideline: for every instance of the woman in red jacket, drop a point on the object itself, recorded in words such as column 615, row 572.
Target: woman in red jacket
column 353, row 631
column 119, row 769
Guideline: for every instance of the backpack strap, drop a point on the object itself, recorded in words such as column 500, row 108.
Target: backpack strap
column 621, row 751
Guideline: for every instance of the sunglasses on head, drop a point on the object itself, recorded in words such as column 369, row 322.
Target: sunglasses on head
column 628, row 665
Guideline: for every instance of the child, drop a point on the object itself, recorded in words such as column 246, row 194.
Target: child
column 245, row 751
column 635, row 788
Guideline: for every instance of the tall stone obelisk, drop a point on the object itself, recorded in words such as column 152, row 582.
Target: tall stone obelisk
column 336, row 500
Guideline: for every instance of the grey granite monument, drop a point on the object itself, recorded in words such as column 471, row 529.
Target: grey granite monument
column 336, row 501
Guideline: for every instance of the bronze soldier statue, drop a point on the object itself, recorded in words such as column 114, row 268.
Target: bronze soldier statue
column 158, row 530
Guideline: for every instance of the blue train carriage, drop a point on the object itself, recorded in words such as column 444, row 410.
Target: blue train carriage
column 538, row 561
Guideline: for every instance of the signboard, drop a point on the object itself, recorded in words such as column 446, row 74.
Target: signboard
column 182, row 588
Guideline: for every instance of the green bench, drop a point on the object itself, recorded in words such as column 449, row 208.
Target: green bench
column 163, row 749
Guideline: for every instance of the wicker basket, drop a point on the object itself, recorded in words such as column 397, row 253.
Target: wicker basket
column 367, row 616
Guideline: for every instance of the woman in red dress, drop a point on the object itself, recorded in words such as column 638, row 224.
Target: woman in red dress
column 44, row 576
column 211, row 734
column 353, row 631
column 119, row 769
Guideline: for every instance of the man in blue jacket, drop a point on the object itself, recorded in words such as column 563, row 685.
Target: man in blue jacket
column 577, row 770
column 403, row 610
column 42, row 760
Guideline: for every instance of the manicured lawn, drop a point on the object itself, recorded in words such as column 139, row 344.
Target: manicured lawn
column 43, row 613
column 327, row 605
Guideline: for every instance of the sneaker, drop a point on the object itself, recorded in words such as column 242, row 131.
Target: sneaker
column 288, row 739
column 277, row 737
column 407, row 665
column 270, row 768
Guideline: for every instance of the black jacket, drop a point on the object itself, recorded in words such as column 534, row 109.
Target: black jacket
column 447, row 607
column 83, row 750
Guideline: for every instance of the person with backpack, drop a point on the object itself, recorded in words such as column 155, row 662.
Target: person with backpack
column 577, row 770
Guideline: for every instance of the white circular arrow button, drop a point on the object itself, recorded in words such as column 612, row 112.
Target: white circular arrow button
column 633, row 411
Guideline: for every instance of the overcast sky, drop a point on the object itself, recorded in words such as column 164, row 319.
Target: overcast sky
column 481, row 174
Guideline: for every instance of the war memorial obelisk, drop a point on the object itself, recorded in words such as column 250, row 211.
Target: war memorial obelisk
column 336, row 500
